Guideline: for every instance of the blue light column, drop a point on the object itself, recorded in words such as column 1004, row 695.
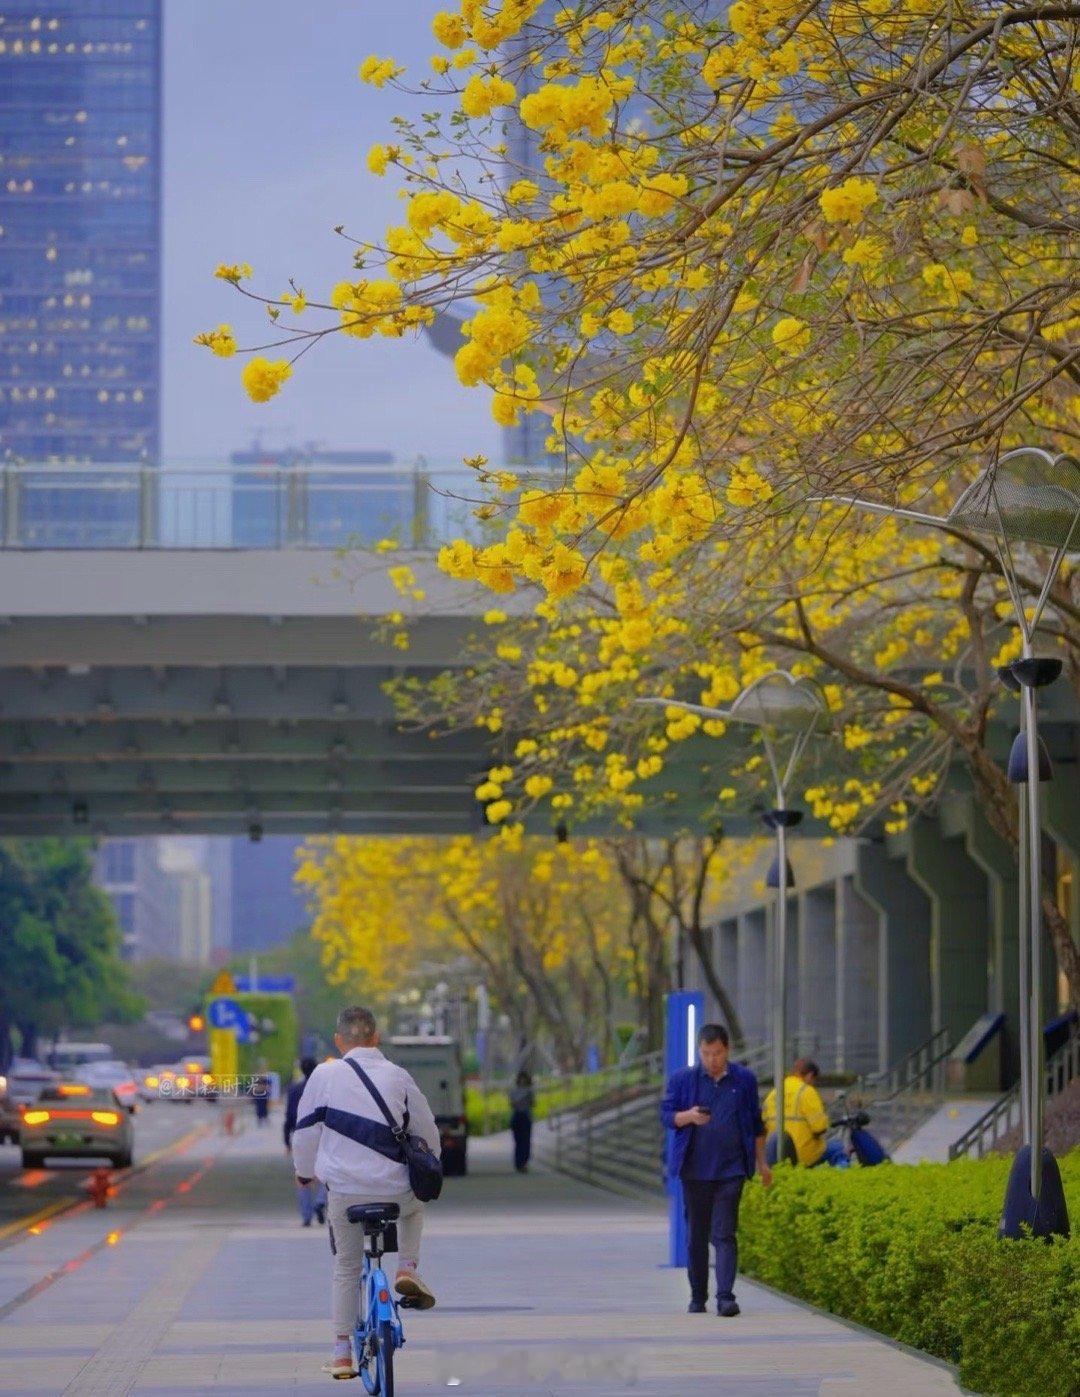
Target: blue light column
column 685, row 1014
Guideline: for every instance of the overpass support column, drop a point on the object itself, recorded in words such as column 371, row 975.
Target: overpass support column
column 904, row 935
column 959, row 910
column 817, row 974
column 751, row 979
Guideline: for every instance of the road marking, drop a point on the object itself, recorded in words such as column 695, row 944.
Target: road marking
column 118, row 1363
column 13, row 1232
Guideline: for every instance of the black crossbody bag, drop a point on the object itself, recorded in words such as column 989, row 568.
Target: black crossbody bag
column 425, row 1167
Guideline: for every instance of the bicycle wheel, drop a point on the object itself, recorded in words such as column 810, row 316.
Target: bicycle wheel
column 386, row 1359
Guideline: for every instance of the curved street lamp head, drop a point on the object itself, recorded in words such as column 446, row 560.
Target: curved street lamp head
column 778, row 705
column 1026, row 496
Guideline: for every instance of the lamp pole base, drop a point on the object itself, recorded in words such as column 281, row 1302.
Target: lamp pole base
column 1022, row 1214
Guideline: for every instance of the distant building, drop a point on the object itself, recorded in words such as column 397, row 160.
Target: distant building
column 183, row 859
column 144, row 895
column 267, row 906
column 80, row 252
column 323, row 499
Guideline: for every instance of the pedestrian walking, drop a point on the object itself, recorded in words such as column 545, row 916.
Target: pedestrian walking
column 522, row 1106
column 310, row 1196
column 719, row 1140
column 260, row 1096
column 342, row 1137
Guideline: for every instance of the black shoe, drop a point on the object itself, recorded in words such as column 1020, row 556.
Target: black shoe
column 696, row 1307
column 306, row 1222
column 320, row 1215
column 728, row 1309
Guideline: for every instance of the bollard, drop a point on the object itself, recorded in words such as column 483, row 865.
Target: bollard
column 99, row 1187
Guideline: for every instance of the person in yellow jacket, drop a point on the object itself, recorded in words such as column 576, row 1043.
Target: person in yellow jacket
column 805, row 1118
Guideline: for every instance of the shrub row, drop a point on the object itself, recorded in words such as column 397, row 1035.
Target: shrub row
column 912, row 1251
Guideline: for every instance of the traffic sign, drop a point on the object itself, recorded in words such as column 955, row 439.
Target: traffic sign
column 226, row 1013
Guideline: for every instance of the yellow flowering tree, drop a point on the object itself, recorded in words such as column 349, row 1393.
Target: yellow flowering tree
column 545, row 924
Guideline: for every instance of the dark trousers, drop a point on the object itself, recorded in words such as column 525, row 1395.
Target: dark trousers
column 521, row 1128
column 712, row 1215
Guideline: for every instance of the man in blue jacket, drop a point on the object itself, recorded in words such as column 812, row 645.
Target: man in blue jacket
column 719, row 1139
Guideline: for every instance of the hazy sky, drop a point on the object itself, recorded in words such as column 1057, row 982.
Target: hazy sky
column 266, row 132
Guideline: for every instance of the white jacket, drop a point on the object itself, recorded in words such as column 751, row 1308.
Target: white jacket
column 337, row 1115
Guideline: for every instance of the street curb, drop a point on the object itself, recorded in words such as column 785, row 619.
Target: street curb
column 864, row 1330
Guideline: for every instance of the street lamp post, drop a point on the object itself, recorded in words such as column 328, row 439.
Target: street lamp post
column 1027, row 497
column 782, row 708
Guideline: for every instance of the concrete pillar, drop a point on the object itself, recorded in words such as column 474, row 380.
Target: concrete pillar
column 905, row 1008
column 817, row 972
column 857, row 1018
column 959, row 914
column 752, row 979
column 998, row 863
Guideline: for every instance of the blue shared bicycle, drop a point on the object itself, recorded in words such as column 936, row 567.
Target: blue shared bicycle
column 378, row 1330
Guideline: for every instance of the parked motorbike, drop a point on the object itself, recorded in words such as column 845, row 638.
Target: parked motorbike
column 861, row 1144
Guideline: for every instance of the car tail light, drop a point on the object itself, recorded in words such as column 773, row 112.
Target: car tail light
column 153, row 1081
column 126, row 1086
column 105, row 1117
column 35, row 1117
column 207, row 1078
column 183, row 1082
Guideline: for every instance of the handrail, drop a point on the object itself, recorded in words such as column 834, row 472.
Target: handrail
column 917, row 1070
column 275, row 505
column 982, row 1135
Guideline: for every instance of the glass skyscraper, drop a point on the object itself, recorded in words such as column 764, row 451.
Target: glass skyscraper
column 80, row 243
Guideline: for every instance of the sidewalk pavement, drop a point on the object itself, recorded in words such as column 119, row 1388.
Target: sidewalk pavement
column 546, row 1288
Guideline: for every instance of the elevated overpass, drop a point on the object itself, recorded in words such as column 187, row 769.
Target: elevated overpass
column 155, row 679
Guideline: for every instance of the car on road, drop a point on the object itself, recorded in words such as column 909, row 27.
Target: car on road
column 27, row 1079
column 435, row 1064
column 149, row 1082
column 67, row 1057
column 10, row 1116
column 72, row 1120
column 112, row 1073
column 192, row 1078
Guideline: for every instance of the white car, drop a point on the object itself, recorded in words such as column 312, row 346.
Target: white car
column 27, row 1079
column 114, row 1076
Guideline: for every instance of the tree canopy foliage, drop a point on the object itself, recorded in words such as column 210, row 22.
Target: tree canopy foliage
column 59, row 945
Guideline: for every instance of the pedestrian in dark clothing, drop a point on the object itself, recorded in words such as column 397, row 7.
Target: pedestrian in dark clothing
column 522, row 1105
column 719, row 1139
column 260, row 1096
column 310, row 1196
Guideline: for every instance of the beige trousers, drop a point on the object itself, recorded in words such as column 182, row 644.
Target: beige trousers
column 347, row 1243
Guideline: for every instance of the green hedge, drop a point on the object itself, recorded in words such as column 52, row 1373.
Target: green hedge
column 913, row 1252
column 497, row 1115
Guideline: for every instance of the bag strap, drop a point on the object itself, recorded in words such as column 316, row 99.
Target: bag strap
column 376, row 1096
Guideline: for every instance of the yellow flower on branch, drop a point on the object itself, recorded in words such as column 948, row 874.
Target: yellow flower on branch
column 483, row 95
column 848, row 202
column 378, row 71
column 263, row 378
column 220, row 341
column 791, row 335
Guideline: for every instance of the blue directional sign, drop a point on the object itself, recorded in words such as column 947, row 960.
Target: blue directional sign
column 266, row 984
column 226, row 1013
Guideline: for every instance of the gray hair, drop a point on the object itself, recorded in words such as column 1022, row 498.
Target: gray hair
column 357, row 1024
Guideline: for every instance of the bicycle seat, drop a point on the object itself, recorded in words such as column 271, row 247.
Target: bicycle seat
column 373, row 1217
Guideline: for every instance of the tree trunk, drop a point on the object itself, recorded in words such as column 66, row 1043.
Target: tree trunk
column 696, row 936
column 28, row 1039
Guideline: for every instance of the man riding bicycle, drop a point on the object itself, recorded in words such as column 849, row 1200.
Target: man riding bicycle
column 342, row 1139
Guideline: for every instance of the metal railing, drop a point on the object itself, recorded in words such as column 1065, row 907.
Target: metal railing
column 237, row 507
column 1003, row 1116
column 922, row 1069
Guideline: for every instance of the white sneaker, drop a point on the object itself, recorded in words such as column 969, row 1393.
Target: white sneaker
column 341, row 1365
column 412, row 1289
